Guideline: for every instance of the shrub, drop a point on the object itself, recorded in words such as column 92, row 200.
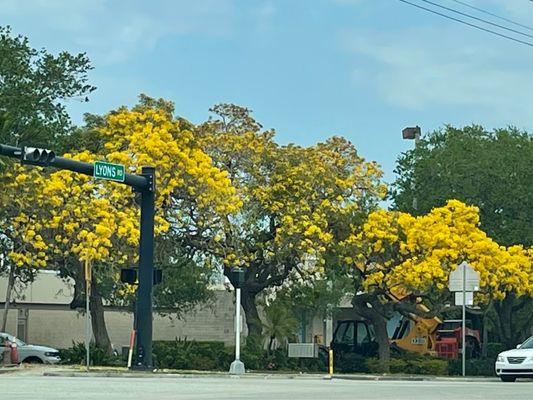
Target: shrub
column 253, row 355
column 403, row 363
column 476, row 367
column 351, row 362
column 76, row 355
column 183, row 354
column 493, row 349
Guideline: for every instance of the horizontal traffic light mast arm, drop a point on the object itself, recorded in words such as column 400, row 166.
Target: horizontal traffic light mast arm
column 137, row 181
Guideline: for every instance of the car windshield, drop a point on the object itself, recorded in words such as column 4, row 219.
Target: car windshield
column 13, row 339
column 528, row 344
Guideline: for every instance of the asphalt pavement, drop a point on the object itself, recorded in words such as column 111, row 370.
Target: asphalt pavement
column 35, row 387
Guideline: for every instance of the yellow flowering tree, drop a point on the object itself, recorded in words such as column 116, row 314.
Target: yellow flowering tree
column 398, row 260
column 34, row 86
column 292, row 200
column 81, row 218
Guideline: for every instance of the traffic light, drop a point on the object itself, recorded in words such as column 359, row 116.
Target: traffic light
column 158, row 276
column 36, row 156
column 237, row 277
column 129, row 275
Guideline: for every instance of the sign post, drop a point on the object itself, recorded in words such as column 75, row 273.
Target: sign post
column 237, row 366
column 464, row 279
column 88, row 278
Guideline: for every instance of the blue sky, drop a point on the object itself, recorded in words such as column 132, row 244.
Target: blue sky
column 310, row 69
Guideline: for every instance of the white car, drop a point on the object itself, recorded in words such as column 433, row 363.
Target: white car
column 517, row 363
column 31, row 353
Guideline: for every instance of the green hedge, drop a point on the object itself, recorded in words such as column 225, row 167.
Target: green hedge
column 213, row 356
column 477, row 367
column 493, row 349
column 76, row 355
column 413, row 363
column 405, row 363
column 184, row 354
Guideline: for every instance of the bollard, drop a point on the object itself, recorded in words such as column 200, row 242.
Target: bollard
column 330, row 364
column 14, row 353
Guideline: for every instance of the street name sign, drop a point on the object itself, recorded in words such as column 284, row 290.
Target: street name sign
column 108, row 171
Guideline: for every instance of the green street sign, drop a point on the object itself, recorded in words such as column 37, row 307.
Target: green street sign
column 110, row 172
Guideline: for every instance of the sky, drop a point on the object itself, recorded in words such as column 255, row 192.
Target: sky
column 363, row 69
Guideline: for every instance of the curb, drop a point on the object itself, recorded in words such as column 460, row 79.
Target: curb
column 413, row 378
column 9, row 370
column 145, row 375
column 252, row 375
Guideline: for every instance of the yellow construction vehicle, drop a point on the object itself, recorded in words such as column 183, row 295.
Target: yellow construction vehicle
column 412, row 333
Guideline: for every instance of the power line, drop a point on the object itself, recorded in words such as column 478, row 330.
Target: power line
column 492, row 14
column 478, row 19
column 468, row 23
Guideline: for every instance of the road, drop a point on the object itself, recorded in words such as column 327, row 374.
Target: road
column 101, row 388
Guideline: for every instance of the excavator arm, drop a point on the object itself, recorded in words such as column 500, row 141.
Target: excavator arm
column 414, row 333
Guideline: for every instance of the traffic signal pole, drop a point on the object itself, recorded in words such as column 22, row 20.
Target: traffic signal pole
column 146, row 274
column 143, row 184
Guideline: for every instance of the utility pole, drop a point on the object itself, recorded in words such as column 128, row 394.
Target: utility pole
column 143, row 184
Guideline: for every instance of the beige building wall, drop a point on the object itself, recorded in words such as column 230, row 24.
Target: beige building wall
column 42, row 315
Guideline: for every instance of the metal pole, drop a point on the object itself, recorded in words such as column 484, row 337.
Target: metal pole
column 238, row 324
column 415, row 200
column 146, row 274
column 87, row 315
column 237, row 366
column 464, row 320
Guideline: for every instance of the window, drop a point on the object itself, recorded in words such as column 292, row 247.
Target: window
column 528, row 344
column 345, row 333
column 362, row 334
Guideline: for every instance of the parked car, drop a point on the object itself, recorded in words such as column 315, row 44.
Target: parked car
column 31, row 353
column 516, row 363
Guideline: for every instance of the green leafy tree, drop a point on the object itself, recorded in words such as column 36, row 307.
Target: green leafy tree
column 34, row 85
column 489, row 169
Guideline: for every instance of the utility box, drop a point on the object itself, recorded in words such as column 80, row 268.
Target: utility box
column 303, row 350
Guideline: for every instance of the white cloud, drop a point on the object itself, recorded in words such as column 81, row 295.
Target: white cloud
column 112, row 31
column 424, row 68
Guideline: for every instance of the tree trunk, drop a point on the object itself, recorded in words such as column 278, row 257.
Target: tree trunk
column 271, row 344
column 253, row 322
column 504, row 310
column 101, row 337
column 485, row 331
column 376, row 316
column 382, row 338
column 9, row 290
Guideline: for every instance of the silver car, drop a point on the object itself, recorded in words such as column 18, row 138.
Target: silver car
column 30, row 353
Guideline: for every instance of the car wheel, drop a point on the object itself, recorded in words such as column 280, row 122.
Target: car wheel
column 32, row 360
column 507, row 378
